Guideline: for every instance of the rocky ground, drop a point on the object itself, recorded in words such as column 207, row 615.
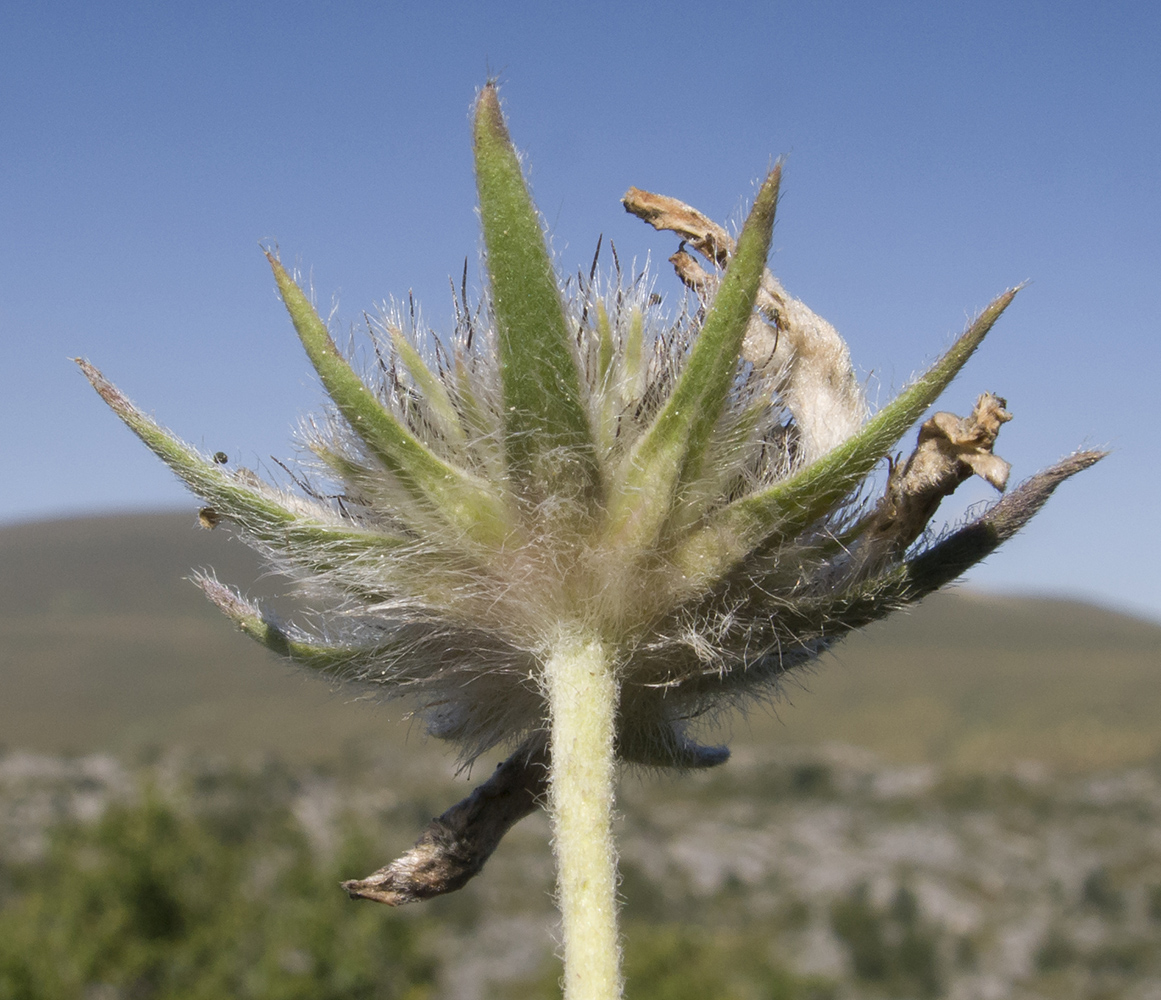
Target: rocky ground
column 861, row 878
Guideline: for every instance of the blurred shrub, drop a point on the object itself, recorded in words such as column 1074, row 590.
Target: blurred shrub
column 1101, row 894
column 688, row 962
column 1056, row 951
column 893, row 946
column 669, row 962
column 154, row 904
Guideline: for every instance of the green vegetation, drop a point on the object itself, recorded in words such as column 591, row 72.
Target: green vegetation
column 889, row 946
column 668, row 962
column 806, row 877
column 679, row 962
column 154, row 901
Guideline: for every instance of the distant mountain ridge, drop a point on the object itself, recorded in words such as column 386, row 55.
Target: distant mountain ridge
column 104, row 644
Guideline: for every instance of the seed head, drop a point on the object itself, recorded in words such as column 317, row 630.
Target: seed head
column 692, row 488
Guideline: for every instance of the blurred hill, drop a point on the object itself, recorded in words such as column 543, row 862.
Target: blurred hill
column 104, row 645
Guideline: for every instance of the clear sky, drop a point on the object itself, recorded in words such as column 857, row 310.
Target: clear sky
column 936, row 154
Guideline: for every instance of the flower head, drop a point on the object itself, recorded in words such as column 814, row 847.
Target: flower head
column 692, row 490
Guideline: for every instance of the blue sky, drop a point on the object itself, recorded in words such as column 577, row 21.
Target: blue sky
column 936, row 154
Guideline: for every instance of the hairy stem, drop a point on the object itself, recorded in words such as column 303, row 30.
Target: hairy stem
column 582, row 693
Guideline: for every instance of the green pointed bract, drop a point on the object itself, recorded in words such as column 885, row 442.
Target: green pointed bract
column 547, row 439
column 671, row 452
column 605, row 347
column 633, row 368
column 249, row 618
column 462, row 501
column 792, row 505
column 478, row 422
column 431, row 387
column 704, row 492
column 256, row 511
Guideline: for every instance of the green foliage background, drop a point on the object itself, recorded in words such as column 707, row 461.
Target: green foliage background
column 224, row 900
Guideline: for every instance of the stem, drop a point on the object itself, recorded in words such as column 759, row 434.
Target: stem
column 582, row 693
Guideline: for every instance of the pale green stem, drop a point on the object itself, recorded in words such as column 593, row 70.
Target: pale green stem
column 582, row 691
